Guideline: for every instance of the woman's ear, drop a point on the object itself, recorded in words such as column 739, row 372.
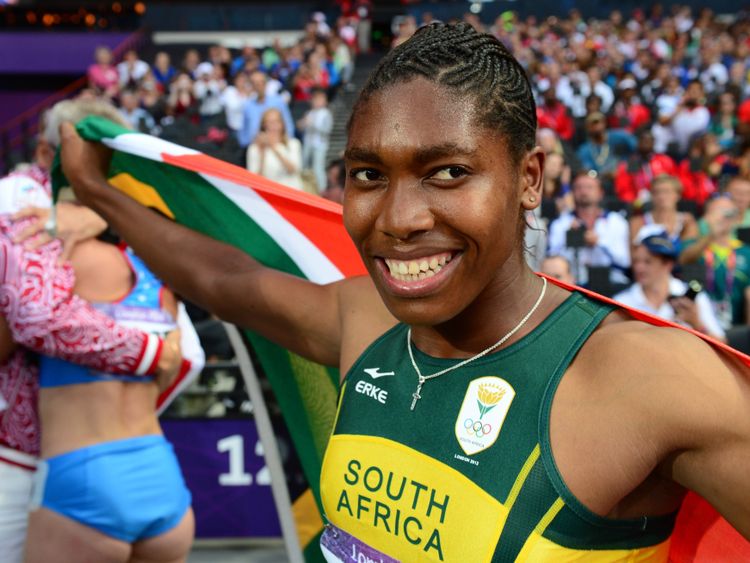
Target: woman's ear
column 531, row 174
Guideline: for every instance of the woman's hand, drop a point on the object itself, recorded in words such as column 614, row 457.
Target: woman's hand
column 170, row 360
column 74, row 224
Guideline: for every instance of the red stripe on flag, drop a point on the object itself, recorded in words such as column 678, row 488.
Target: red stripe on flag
column 651, row 319
column 316, row 218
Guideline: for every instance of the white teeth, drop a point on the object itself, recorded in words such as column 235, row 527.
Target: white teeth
column 414, row 270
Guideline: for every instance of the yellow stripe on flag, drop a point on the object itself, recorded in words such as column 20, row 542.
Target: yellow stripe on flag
column 142, row 193
column 306, row 518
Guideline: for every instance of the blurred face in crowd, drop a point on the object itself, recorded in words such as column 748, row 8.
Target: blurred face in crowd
column 272, row 123
column 587, row 191
column 723, row 213
column 162, row 61
column 646, row 143
column 694, row 94
column 103, row 56
column 258, row 82
column 192, row 60
column 650, row 269
column 596, row 126
column 665, row 194
column 558, row 268
column 319, row 100
column 547, row 139
column 553, row 166
column 727, row 104
column 739, row 190
column 128, row 101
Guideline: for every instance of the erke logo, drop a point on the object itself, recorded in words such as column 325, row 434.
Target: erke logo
column 368, row 389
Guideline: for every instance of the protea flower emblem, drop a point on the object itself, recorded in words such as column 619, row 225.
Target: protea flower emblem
column 489, row 396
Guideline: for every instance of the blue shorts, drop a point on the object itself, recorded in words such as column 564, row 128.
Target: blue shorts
column 129, row 489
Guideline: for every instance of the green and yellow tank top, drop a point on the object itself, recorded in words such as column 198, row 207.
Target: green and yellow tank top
column 468, row 475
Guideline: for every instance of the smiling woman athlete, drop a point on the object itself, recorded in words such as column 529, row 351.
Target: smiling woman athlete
column 485, row 416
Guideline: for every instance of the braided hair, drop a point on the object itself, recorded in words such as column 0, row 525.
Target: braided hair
column 470, row 63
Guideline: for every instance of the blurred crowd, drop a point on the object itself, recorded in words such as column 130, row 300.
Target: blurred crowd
column 645, row 122
column 266, row 108
column 644, row 119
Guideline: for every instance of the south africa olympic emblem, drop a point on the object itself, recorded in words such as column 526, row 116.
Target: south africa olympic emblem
column 482, row 413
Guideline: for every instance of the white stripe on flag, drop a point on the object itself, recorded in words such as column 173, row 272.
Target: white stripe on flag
column 314, row 264
column 146, row 146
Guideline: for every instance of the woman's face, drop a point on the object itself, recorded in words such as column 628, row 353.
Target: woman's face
column 433, row 202
column 272, row 123
column 103, row 56
column 665, row 195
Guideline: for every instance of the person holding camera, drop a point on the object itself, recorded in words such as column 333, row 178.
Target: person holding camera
column 589, row 235
column 657, row 292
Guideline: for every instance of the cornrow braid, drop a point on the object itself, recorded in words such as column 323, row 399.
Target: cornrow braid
column 471, row 63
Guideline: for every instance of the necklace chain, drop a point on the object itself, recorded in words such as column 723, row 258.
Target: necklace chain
column 422, row 378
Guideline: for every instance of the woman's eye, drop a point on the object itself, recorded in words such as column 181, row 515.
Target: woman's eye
column 366, row 175
column 449, row 173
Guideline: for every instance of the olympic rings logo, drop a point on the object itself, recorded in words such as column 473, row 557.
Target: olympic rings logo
column 476, row 428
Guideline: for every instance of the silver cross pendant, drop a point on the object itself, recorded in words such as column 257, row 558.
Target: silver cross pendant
column 416, row 396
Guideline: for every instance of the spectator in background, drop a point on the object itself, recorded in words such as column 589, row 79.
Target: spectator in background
column 681, row 125
column 605, row 239
column 726, row 260
column 556, row 189
column 342, row 60
column 628, row 112
column 234, row 98
column 335, row 180
column 724, row 123
column 138, row 118
column 132, row 70
column 248, row 56
column 208, row 89
column 600, row 88
column 558, row 267
column 312, row 74
column 634, row 176
column 657, row 292
column 738, row 190
column 102, row 75
column 317, row 125
column 697, row 169
column 274, row 154
column 190, row 62
column 256, row 107
column 552, row 114
column 181, row 102
column 666, row 191
column 604, row 149
column 163, row 71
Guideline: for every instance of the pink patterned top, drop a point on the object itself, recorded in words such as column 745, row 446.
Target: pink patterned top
column 44, row 316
